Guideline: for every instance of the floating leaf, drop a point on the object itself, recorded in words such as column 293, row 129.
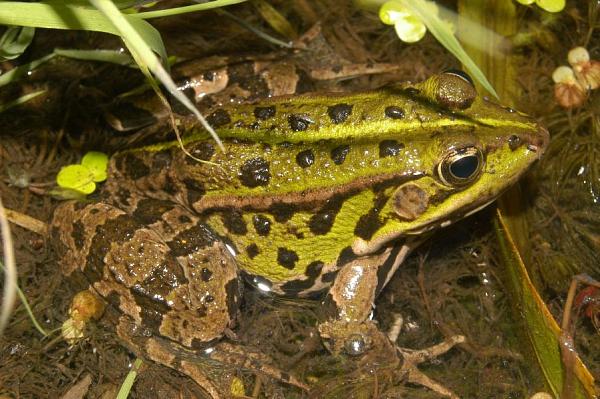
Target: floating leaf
column 96, row 162
column 76, row 177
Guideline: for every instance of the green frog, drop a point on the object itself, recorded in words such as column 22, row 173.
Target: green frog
column 313, row 193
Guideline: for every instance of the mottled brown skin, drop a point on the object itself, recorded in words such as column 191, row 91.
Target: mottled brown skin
column 311, row 193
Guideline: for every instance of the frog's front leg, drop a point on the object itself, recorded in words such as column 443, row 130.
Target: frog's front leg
column 349, row 328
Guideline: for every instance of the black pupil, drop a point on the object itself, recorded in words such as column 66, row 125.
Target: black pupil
column 464, row 167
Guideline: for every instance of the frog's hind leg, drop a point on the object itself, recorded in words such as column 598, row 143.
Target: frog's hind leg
column 173, row 280
column 204, row 367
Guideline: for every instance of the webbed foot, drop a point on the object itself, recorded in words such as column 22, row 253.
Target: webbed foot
column 366, row 340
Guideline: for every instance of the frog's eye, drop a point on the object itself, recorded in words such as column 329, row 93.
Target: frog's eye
column 460, row 166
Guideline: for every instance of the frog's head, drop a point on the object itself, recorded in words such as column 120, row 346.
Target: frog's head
column 467, row 150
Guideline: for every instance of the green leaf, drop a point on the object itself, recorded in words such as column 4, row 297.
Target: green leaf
column 112, row 56
column 20, row 100
column 65, row 15
column 76, row 177
column 542, row 331
column 129, row 380
column 15, row 41
column 444, row 35
column 97, row 163
column 187, row 9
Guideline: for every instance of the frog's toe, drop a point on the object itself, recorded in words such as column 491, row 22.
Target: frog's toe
column 350, row 338
column 411, row 358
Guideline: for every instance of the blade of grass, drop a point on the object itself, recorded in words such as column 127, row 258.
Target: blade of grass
column 22, row 70
column 129, row 380
column 15, row 41
column 20, row 100
column 112, row 56
column 61, row 15
column 146, row 60
column 187, row 9
column 23, row 299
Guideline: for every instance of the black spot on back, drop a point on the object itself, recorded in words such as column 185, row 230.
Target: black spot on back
column 262, row 225
column 252, row 250
column 286, row 258
column 151, row 311
column 394, row 112
column 150, row 210
column 195, row 190
column 219, row 118
column 206, row 274
column 370, row 222
column 282, row 212
column 322, row 221
column 346, row 255
column 203, row 150
column 389, row 148
column 339, row 112
column 192, row 240
column 123, row 196
column 314, row 269
column 115, row 230
column 134, row 166
column 264, row 113
column 299, row 123
column 329, row 277
column 338, row 154
column 234, row 222
column 78, row 234
column 169, row 185
column 255, row 172
column 295, row 287
column 305, row 158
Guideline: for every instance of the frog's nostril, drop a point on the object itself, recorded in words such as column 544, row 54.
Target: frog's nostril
column 539, row 142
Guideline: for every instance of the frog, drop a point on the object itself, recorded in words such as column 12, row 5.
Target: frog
column 313, row 194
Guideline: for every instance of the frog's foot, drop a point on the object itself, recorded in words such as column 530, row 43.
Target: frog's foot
column 248, row 358
column 412, row 358
column 204, row 366
column 366, row 340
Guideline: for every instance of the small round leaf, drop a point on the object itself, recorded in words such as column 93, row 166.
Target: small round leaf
column 96, row 162
column 76, row 177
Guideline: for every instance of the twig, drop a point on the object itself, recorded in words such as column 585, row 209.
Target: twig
column 10, row 271
column 27, row 222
